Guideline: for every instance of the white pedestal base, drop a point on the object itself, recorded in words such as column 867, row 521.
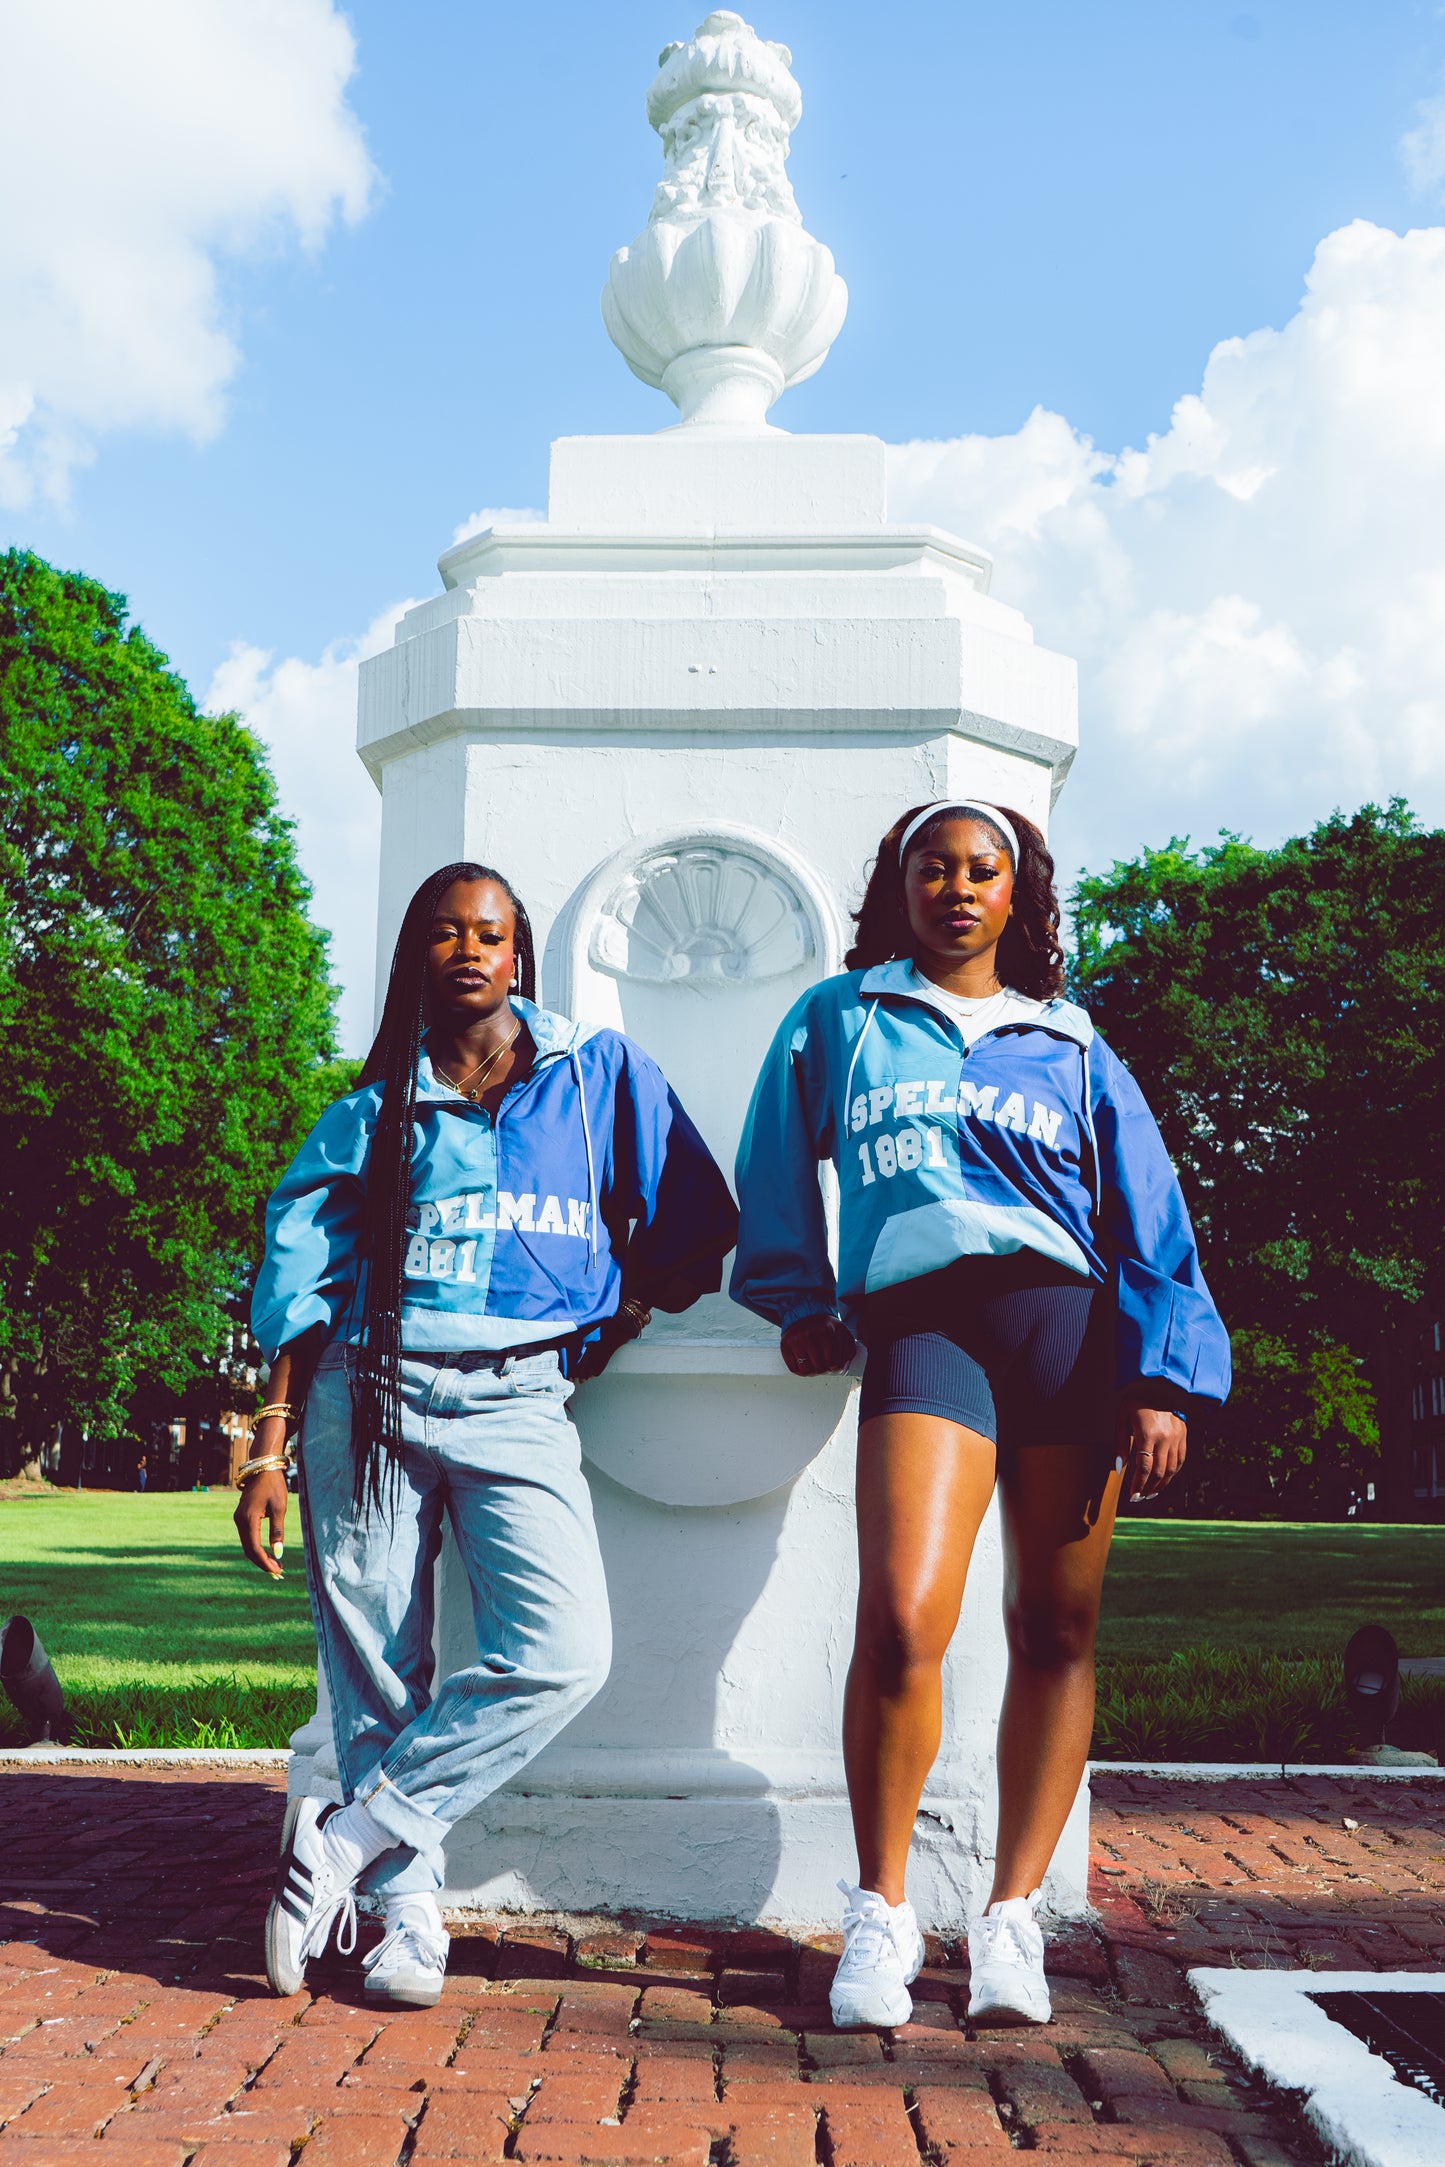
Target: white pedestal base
column 706, row 1782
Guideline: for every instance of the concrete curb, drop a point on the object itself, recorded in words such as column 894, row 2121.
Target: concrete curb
column 145, row 1757
column 1261, row 1771
column 280, row 1757
column 1354, row 2101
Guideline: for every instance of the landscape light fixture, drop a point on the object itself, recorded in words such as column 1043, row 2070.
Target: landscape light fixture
column 29, row 1679
column 1372, row 1681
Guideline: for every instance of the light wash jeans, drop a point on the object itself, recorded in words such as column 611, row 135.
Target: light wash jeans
column 488, row 1441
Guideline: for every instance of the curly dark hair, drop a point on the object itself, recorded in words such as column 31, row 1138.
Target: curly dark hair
column 1029, row 956
column 392, row 1062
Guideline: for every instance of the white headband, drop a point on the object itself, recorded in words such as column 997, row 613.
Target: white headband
column 960, row 805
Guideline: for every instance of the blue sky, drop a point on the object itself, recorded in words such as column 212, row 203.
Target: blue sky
column 1041, row 206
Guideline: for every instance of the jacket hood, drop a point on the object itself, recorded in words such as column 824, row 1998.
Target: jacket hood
column 1063, row 1018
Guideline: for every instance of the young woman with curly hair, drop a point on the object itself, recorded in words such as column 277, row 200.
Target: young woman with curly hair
column 1016, row 1256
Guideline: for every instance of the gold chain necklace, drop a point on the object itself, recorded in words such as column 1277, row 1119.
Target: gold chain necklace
column 486, row 1068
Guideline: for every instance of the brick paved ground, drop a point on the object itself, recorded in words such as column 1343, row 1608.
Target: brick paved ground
column 137, row 2030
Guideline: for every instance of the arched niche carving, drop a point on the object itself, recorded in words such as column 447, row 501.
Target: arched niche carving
column 696, row 941
column 709, row 906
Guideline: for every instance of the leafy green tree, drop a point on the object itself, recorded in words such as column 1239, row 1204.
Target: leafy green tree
column 165, row 1008
column 1284, row 1013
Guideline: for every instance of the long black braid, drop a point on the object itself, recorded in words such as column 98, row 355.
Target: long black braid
column 392, row 1062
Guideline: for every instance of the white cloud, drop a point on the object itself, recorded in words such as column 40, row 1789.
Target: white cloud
column 140, row 145
column 495, row 515
column 1257, row 598
column 1422, row 150
column 306, row 714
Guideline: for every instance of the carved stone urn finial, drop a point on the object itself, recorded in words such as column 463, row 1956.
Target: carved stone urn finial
column 723, row 300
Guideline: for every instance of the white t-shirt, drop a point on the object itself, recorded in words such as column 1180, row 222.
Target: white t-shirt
column 975, row 1017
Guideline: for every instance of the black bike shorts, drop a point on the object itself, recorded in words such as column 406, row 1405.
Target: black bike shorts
column 1016, row 1347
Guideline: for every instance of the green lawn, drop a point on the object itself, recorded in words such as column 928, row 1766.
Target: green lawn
column 162, row 1635
column 1291, row 1589
column 159, row 1631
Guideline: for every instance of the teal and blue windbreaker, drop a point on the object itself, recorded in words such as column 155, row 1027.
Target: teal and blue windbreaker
column 519, row 1224
column 1035, row 1137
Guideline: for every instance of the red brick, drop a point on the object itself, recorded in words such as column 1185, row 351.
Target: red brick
column 682, row 2077
column 351, row 2141
column 533, row 1954
column 61, row 2151
column 1150, row 1980
column 1116, row 2140
column 958, row 2117
column 506, row 2032
column 458, row 2128
column 834, row 2050
column 71, row 2110
column 16, row 2093
column 612, row 1947
column 1115, row 2076
column 758, row 2145
column 671, row 1952
column 634, row 2140
column 859, row 2076
column 1039, row 2094
column 356, row 2096
column 757, row 2090
column 1185, row 2059
column 676, row 2004
column 512, row 2077
column 222, row 2153
column 562, row 2097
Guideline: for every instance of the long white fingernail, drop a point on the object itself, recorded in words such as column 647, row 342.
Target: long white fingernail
column 1118, row 1467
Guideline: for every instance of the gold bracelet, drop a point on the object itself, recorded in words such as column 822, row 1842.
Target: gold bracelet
column 275, row 1407
column 276, row 1460
column 637, row 1316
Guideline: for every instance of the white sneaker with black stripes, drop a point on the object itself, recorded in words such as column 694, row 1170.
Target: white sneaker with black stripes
column 410, row 1964
column 311, row 1897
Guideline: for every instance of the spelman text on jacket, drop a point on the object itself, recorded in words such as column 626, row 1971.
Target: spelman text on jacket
column 1036, row 1138
column 518, row 1222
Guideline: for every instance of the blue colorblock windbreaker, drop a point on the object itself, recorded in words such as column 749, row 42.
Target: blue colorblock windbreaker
column 519, row 1221
column 1035, row 1137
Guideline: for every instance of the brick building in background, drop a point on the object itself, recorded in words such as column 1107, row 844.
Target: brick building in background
column 1410, row 1382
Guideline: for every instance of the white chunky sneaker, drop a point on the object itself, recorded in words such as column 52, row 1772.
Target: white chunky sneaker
column 1006, row 1965
column 411, row 1963
column 311, row 1896
column 882, row 1955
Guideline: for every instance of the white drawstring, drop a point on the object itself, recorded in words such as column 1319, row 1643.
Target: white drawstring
column 587, row 1145
column 1093, row 1139
column 848, row 1086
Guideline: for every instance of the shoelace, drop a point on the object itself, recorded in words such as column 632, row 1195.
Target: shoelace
column 1006, row 1941
column 405, row 1939
column 341, row 1908
column 866, row 1933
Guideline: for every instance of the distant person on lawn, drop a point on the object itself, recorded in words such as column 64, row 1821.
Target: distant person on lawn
column 140, row 1472
column 1016, row 1256
column 484, row 1220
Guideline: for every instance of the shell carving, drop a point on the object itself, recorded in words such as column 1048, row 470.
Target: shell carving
column 703, row 915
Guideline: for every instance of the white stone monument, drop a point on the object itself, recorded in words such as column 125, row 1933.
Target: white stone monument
column 678, row 715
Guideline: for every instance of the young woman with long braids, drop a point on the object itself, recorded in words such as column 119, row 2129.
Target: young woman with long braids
column 1016, row 1256
column 482, row 1222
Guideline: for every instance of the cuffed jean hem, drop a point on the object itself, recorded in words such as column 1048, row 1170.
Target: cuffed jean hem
column 402, row 1818
column 493, row 1452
